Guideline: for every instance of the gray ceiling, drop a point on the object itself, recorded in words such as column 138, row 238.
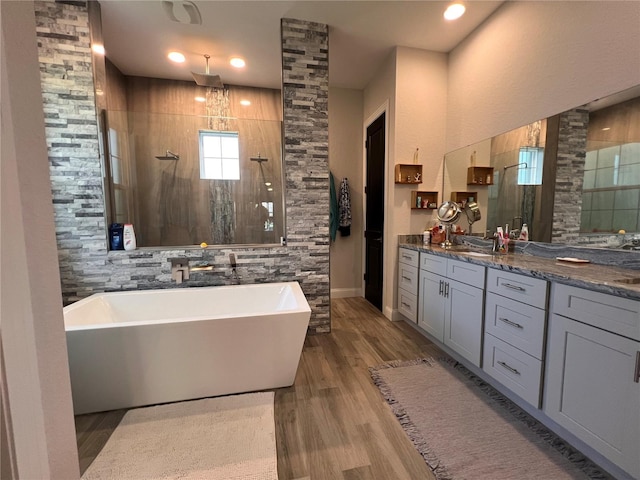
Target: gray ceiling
column 139, row 34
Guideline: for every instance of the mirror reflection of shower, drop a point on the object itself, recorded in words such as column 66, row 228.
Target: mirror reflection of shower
column 265, row 206
column 517, row 158
column 176, row 190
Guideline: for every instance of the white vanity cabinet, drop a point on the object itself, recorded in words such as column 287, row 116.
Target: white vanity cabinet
column 451, row 304
column 408, row 283
column 515, row 320
column 593, row 372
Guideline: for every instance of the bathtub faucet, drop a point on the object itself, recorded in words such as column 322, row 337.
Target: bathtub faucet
column 234, row 271
column 179, row 269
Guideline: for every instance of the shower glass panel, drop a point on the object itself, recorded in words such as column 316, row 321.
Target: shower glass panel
column 164, row 195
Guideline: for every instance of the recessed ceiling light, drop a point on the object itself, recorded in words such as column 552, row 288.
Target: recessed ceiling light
column 237, row 62
column 97, row 48
column 268, row 184
column 176, row 57
column 606, row 128
column 454, row 11
column 269, row 189
column 245, row 103
column 200, row 99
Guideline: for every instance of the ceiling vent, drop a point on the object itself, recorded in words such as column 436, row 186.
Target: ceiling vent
column 182, row 12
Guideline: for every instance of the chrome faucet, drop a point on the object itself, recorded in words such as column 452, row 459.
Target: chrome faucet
column 179, row 269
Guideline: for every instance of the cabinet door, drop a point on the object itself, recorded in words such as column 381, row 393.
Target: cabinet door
column 431, row 309
column 591, row 389
column 463, row 320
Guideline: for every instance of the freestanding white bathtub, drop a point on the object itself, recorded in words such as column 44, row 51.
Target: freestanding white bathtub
column 145, row 347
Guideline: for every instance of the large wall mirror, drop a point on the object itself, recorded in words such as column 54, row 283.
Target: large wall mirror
column 512, row 176
column 188, row 164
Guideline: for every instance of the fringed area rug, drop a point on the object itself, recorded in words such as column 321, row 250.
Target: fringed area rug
column 465, row 429
column 228, row 438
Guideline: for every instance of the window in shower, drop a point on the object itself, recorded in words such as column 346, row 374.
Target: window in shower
column 219, row 155
column 530, row 161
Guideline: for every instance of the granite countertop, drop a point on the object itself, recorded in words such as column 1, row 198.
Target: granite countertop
column 601, row 278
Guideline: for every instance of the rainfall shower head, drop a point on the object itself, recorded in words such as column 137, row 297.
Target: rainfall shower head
column 206, row 79
column 168, row 156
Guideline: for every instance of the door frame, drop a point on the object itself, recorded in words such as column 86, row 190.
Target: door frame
column 383, row 108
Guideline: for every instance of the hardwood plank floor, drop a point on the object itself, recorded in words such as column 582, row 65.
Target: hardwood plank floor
column 333, row 423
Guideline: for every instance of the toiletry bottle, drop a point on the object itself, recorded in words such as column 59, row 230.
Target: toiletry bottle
column 115, row 236
column 524, row 233
column 129, row 237
column 501, row 241
column 426, row 236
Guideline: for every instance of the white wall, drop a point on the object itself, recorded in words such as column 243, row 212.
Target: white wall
column 420, row 122
column 379, row 94
column 415, row 83
column 345, row 160
column 531, row 60
column 421, row 113
column 34, row 349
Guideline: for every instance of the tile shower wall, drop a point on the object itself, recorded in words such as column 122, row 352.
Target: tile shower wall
column 572, row 148
column 76, row 177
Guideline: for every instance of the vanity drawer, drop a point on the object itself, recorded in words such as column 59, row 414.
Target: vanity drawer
column 520, row 325
column 408, row 278
column 408, row 304
column 433, row 263
column 409, row 257
column 614, row 314
column 516, row 370
column 521, row 288
column 466, row 272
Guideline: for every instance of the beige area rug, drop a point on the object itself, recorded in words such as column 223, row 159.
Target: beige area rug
column 228, row 438
column 465, row 429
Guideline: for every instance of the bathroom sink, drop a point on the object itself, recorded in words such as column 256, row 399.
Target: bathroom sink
column 468, row 251
column 478, row 254
column 628, row 281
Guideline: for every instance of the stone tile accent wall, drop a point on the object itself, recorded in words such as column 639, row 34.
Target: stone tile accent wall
column 305, row 83
column 72, row 137
column 572, row 148
column 71, row 127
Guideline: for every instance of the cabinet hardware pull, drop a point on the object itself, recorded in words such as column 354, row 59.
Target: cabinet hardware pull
column 446, row 290
column 509, row 322
column 514, row 287
column 511, row 369
column 406, row 256
column 440, row 291
column 636, row 375
column 406, row 278
column 406, row 305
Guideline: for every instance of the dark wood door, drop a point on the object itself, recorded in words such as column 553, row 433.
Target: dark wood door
column 374, row 227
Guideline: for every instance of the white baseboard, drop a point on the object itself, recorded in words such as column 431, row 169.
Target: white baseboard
column 346, row 292
column 396, row 316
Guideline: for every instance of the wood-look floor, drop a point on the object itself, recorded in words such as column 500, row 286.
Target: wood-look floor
column 333, row 423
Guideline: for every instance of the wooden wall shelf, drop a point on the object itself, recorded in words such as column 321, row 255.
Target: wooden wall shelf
column 463, row 197
column 480, row 176
column 428, row 200
column 408, row 173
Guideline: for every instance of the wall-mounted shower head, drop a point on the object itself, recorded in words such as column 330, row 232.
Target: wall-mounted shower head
column 206, row 79
column 258, row 159
column 168, row 156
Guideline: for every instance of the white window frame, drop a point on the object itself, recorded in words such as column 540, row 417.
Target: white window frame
column 204, row 158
